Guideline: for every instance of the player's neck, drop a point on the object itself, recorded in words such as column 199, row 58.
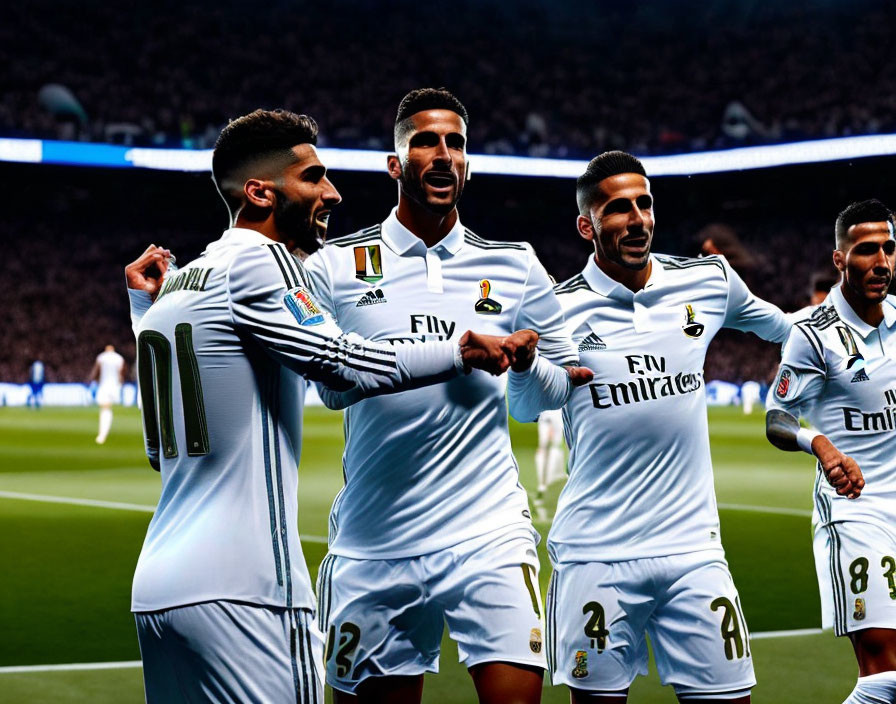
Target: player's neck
column 267, row 228
column 428, row 226
column 632, row 279
column 872, row 312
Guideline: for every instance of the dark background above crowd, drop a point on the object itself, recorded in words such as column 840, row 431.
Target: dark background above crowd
column 560, row 78
column 68, row 232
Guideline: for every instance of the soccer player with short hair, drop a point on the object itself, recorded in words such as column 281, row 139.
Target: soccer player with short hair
column 635, row 541
column 838, row 370
column 432, row 524
column 222, row 597
column 109, row 373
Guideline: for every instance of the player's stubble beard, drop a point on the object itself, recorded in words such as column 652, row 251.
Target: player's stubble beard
column 295, row 219
column 616, row 256
column 412, row 187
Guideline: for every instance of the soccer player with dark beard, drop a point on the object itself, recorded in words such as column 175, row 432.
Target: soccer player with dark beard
column 838, row 370
column 221, row 594
column 433, row 526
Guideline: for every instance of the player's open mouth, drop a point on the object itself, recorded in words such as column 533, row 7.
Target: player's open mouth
column 634, row 242
column 878, row 284
column 439, row 180
column 322, row 220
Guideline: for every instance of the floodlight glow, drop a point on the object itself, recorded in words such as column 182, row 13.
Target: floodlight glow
column 198, row 160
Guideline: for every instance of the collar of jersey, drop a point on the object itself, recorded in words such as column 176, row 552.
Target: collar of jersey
column 848, row 315
column 244, row 234
column 605, row 286
column 402, row 241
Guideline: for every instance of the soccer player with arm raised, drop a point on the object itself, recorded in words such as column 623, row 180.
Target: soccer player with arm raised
column 635, row 542
column 221, row 594
column 838, row 370
column 432, row 525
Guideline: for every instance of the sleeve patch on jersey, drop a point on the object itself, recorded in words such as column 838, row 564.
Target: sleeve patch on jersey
column 302, row 305
column 783, row 383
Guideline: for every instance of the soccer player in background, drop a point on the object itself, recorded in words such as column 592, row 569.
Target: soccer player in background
column 109, row 372
column 222, row 597
column 838, row 370
column 635, row 541
column 36, row 378
column 549, row 466
column 432, row 525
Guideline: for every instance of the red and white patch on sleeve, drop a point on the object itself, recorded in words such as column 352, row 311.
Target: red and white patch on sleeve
column 783, row 383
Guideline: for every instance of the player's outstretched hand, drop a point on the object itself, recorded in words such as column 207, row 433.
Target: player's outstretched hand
column 520, row 349
column 483, row 352
column 841, row 470
column 579, row 376
column 147, row 272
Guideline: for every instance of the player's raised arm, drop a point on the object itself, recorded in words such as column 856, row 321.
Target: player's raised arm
column 544, row 381
column 271, row 300
column 747, row 312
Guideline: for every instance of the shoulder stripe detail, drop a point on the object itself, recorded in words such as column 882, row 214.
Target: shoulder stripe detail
column 574, row 284
column 813, row 339
column 476, row 241
column 373, row 232
column 281, row 256
column 684, row 263
column 822, row 318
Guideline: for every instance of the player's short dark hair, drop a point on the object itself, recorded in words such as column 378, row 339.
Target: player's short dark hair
column 600, row 167
column 254, row 137
column 871, row 210
column 425, row 99
column 824, row 280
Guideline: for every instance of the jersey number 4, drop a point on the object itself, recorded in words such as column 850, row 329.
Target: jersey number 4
column 154, row 371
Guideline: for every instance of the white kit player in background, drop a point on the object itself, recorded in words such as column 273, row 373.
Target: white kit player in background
column 635, row 540
column 109, row 373
column 432, row 525
column 549, row 456
column 222, row 596
column 838, row 370
column 750, row 395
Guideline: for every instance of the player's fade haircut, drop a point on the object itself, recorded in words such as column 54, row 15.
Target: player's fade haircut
column 871, row 210
column 600, row 167
column 261, row 138
column 424, row 99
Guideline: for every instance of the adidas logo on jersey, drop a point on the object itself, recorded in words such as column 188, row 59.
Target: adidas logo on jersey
column 371, row 298
column 860, row 376
column 592, row 342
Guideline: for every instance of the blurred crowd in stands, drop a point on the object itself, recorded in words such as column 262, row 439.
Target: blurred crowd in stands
column 560, row 79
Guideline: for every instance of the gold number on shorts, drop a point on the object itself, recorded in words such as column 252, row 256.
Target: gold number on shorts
column 596, row 627
column 889, row 564
column 858, row 570
column 731, row 632
column 349, row 636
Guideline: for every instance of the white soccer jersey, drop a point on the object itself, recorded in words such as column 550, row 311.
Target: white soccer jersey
column 427, row 469
column 840, row 374
column 110, row 365
column 640, row 476
column 219, row 359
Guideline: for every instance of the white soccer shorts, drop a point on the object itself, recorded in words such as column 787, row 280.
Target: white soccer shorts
column 550, row 428
column 386, row 617
column 221, row 651
column 108, row 394
column 598, row 614
column 856, row 566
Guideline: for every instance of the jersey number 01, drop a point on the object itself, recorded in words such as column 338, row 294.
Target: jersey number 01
column 154, row 372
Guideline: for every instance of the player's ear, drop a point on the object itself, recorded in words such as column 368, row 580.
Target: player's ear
column 393, row 165
column 585, row 227
column 258, row 193
column 839, row 260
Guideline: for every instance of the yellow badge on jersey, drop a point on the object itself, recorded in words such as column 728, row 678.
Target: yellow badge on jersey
column 691, row 327
column 581, row 668
column 368, row 263
column 486, row 305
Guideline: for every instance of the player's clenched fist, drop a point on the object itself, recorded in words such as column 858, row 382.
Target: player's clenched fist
column 147, row 272
column 841, row 471
column 520, row 349
column 483, row 352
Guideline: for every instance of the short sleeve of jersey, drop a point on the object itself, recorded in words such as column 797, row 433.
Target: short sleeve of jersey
column 540, row 311
column 751, row 314
column 801, row 376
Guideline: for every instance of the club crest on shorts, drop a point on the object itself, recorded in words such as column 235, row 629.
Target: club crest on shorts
column 581, row 668
column 535, row 640
column 859, row 613
column 302, row 305
column 368, row 263
column 783, row 385
column 486, row 305
column 691, row 327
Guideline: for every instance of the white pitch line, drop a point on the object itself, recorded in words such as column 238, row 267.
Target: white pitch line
column 96, row 503
column 137, row 663
column 768, row 509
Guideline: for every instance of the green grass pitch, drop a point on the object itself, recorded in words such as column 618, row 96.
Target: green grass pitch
column 66, row 568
